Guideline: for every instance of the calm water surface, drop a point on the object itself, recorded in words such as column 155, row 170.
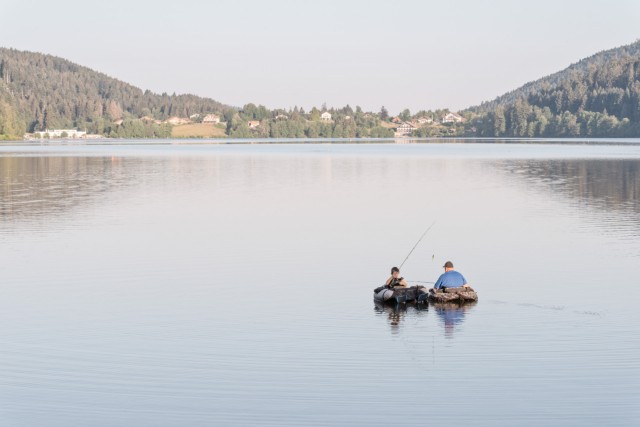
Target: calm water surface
column 179, row 285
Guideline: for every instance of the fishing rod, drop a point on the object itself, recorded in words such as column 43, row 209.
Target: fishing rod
column 417, row 243
column 411, row 251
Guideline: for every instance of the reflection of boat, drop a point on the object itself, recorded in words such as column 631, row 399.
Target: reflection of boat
column 396, row 311
column 452, row 314
column 444, row 306
column 400, row 294
column 393, row 308
column 454, row 295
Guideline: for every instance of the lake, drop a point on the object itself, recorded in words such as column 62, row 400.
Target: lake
column 194, row 284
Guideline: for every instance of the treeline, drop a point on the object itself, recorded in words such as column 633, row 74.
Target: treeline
column 598, row 97
column 525, row 120
column 11, row 126
column 296, row 123
column 136, row 128
column 40, row 91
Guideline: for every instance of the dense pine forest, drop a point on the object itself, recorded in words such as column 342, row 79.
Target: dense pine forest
column 40, row 91
column 596, row 97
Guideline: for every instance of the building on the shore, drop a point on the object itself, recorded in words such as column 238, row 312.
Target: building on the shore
column 325, row 117
column 424, row 120
column 452, row 118
column 405, row 129
column 177, row 121
column 211, row 118
column 61, row 133
column 253, row 124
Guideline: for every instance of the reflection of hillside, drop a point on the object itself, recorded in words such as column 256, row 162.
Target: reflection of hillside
column 606, row 184
column 47, row 187
column 40, row 186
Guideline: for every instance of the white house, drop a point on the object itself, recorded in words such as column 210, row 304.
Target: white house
column 424, row 120
column 253, row 124
column 452, row 118
column 326, row 116
column 58, row 133
column 405, row 129
column 211, row 118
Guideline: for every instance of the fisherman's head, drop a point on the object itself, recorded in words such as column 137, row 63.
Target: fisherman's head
column 448, row 266
column 395, row 272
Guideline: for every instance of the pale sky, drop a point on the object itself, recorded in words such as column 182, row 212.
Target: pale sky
column 280, row 53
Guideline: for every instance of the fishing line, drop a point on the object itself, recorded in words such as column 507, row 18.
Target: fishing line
column 417, row 243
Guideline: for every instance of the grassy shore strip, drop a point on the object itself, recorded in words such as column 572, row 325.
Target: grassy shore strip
column 198, row 130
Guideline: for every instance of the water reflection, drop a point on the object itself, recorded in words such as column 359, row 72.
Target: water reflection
column 452, row 315
column 42, row 186
column 604, row 184
column 396, row 312
column 168, row 274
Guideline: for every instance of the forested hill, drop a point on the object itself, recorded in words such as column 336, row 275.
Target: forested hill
column 39, row 91
column 598, row 96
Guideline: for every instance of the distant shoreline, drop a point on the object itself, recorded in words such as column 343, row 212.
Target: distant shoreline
column 336, row 141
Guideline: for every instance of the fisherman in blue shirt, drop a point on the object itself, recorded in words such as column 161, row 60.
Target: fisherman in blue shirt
column 450, row 278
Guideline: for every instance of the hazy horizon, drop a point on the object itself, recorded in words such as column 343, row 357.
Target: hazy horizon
column 281, row 54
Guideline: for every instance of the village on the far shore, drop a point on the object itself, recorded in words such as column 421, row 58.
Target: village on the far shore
column 407, row 128
column 212, row 125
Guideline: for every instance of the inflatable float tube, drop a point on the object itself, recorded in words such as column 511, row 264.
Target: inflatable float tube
column 459, row 295
column 400, row 294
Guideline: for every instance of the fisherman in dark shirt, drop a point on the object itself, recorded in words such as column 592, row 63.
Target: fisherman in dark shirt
column 395, row 279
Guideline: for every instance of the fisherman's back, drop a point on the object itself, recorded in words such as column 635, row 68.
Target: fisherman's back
column 450, row 279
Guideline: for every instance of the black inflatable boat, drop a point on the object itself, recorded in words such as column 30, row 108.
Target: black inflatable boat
column 400, row 294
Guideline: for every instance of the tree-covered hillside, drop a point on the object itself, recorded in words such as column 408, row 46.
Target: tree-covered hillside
column 596, row 97
column 39, row 91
